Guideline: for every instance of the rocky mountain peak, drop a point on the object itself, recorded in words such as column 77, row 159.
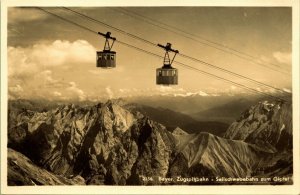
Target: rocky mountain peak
column 103, row 143
column 178, row 131
column 118, row 101
column 116, row 117
column 109, row 143
column 268, row 124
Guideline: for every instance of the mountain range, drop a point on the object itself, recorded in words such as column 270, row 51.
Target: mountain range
column 117, row 143
column 171, row 120
column 223, row 108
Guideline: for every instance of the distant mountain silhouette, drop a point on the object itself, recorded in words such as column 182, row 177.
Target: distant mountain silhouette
column 194, row 104
column 172, row 119
column 227, row 112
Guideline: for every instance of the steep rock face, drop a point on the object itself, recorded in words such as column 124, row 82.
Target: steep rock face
column 177, row 131
column 268, row 125
column 104, row 143
column 156, row 145
column 21, row 171
column 214, row 156
column 142, row 150
column 53, row 138
column 108, row 144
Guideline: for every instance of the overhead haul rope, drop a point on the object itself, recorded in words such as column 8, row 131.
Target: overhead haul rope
column 183, row 33
column 156, row 55
column 183, row 55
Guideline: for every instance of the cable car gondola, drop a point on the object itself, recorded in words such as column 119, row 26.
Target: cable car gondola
column 106, row 58
column 167, row 75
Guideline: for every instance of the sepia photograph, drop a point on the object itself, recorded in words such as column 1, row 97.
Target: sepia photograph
column 142, row 97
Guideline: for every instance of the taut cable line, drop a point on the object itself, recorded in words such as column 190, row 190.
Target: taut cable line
column 179, row 63
column 181, row 54
column 196, row 38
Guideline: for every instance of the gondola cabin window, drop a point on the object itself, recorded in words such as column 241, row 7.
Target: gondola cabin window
column 166, row 75
column 106, row 60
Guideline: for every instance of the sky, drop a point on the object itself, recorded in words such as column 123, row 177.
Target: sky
column 51, row 59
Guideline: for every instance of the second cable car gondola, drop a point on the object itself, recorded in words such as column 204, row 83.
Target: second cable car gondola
column 106, row 58
column 167, row 75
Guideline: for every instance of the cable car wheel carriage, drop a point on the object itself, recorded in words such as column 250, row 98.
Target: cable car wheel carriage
column 106, row 58
column 167, row 75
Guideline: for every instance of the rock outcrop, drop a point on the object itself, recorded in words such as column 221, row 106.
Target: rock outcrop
column 109, row 144
column 22, row 171
column 267, row 124
column 106, row 144
column 214, row 156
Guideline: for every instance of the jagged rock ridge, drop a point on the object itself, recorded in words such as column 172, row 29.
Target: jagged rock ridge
column 267, row 124
column 103, row 143
column 21, row 171
column 108, row 144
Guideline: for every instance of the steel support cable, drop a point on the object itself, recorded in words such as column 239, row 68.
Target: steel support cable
column 110, row 26
column 230, row 72
column 183, row 55
column 66, row 20
column 179, row 63
column 204, row 72
column 147, row 19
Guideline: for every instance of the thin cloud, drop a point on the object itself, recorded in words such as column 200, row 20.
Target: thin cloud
column 287, row 90
column 26, row 62
column 76, row 93
column 46, row 79
column 109, row 92
column 57, row 94
column 20, row 14
column 31, row 66
column 283, row 57
column 264, row 59
column 200, row 93
column 15, row 91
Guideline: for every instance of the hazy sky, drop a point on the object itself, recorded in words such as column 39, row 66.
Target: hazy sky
column 49, row 58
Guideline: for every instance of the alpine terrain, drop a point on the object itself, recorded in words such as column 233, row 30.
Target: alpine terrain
column 114, row 143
